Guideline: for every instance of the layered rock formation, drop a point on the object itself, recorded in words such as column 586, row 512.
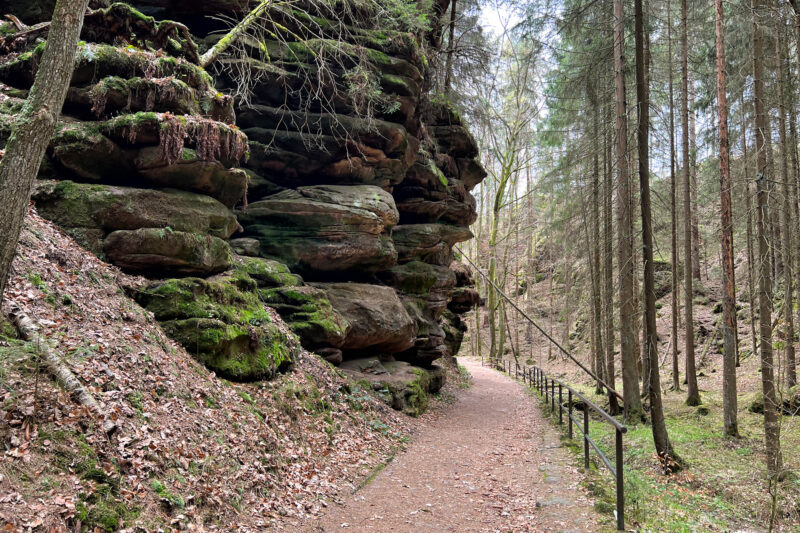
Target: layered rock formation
column 338, row 210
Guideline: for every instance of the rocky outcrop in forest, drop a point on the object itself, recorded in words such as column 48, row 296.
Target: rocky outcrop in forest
column 309, row 170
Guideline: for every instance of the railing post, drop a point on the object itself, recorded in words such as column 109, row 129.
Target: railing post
column 560, row 405
column 620, row 485
column 585, row 435
column 553, row 394
column 569, row 400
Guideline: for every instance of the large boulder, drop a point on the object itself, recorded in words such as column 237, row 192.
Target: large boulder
column 377, row 319
column 81, row 151
column 425, row 291
column 266, row 272
column 460, row 207
column 326, row 229
column 304, row 308
column 470, row 172
column 90, row 212
column 166, row 252
column 455, row 140
column 223, row 324
column 464, row 299
column 431, row 283
column 401, row 385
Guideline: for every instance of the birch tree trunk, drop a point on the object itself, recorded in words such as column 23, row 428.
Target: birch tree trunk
column 35, row 124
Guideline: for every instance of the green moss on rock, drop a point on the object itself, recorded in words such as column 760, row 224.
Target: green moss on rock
column 266, row 272
column 89, row 212
column 309, row 313
column 223, row 324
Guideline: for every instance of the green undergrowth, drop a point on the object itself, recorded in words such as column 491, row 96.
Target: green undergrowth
column 722, row 486
column 100, row 508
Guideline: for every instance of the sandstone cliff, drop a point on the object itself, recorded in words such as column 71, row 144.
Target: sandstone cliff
column 309, row 170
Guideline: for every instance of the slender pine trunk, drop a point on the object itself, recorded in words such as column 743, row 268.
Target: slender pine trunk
column 771, row 426
column 627, row 310
column 693, row 393
column 660, row 436
column 731, row 426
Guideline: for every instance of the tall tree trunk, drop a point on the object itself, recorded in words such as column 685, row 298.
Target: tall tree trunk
column 676, row 383
column 795, row 200
column 771, row 426
column 451, row 45
column 787, row 332
column 749, row 235
column 627, row 310
column 492, row 300
column 693, row 397
column 660, row 437
column 596, row 300
column 795, row 162
column 608, row 272
column 35, row 124
column 731, row 426
column 693, row 191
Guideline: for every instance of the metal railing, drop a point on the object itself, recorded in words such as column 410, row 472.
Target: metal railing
column 549, row 387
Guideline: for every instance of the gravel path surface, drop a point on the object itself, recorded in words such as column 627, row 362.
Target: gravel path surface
column 489, row 462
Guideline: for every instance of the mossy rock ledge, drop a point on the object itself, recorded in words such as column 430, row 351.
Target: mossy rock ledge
column 223, row 324
column 305, row 309
column 401, row 385
column 89, row 212
column 164, row 251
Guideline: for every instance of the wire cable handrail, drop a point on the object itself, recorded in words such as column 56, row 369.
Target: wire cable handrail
column 610, row 389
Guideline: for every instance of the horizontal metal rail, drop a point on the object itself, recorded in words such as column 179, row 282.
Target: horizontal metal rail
column 549, row 387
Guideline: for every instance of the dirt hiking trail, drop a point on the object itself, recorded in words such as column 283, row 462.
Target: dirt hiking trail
column 490, row 462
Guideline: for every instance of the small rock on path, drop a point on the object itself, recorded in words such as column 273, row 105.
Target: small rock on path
column 490, row 462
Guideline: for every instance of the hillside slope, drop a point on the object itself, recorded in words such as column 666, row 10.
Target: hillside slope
column 192, row 451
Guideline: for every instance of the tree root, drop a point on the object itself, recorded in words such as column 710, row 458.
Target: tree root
column 29, row 330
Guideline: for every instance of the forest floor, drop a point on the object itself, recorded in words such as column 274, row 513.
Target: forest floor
column 192, row 452
column 489, row 462
column 723, row 484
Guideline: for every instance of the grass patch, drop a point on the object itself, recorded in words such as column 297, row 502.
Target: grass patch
column 723, row 484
